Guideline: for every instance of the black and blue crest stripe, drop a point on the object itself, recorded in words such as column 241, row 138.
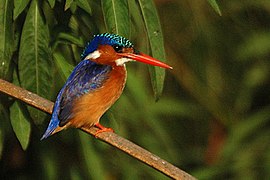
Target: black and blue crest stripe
column 105, row 39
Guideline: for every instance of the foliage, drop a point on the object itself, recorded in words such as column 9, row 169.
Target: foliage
column 212, row 120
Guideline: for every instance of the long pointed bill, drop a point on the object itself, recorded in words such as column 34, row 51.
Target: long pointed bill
column 145, row 59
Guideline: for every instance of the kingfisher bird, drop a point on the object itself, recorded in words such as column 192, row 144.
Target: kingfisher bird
column 95, row 83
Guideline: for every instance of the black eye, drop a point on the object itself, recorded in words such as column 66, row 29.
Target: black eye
column 118, row 48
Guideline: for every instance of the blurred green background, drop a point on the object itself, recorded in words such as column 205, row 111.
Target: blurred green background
column 212, row 120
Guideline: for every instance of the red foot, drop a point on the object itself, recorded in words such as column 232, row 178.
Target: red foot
column 102, row 129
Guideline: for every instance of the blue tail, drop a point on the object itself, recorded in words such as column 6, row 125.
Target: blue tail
column 52, row 126
column 54, row 123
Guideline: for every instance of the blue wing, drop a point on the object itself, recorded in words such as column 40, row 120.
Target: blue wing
column 86, row 77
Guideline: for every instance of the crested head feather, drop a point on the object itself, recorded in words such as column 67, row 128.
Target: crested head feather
column 105, row 39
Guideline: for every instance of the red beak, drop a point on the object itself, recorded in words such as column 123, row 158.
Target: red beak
column 145, row 59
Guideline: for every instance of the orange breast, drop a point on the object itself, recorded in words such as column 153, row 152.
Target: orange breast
column 90, row 107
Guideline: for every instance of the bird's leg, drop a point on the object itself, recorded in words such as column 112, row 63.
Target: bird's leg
column 102, row 129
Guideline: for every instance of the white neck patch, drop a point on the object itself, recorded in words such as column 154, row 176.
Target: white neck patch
column 94, row 55
column 122, row 61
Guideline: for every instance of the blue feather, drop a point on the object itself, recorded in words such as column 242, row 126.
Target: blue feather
column 87, row 76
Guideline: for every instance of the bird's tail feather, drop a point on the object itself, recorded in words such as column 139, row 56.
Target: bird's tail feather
column 53, row 125
column 51, row 132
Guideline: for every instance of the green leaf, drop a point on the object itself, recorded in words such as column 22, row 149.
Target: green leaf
column 19, row 6
column 71, row 38
column 155, row 36
column 20, row 125
column 35, row 61
column 63, row 66
column 68, row 4
column 254, row 45
column 116, row 14
column 245, row 130
column 4, row 117
column 215, row 6
column 6, row 36
column 74, row 24
column 85, row 5
column 52, row 3
column 91, row 158
column 49, row 165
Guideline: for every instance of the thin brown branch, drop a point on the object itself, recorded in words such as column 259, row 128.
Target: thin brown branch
column 108, row 137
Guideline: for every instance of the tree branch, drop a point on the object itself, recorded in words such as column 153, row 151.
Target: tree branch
column 108, row 137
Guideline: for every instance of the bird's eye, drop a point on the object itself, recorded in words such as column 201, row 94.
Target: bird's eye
column 118, row 48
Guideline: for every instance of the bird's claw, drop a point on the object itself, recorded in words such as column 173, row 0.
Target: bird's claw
column 102, row 129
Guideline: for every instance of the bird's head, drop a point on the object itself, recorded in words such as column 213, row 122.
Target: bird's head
column 111, row 49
